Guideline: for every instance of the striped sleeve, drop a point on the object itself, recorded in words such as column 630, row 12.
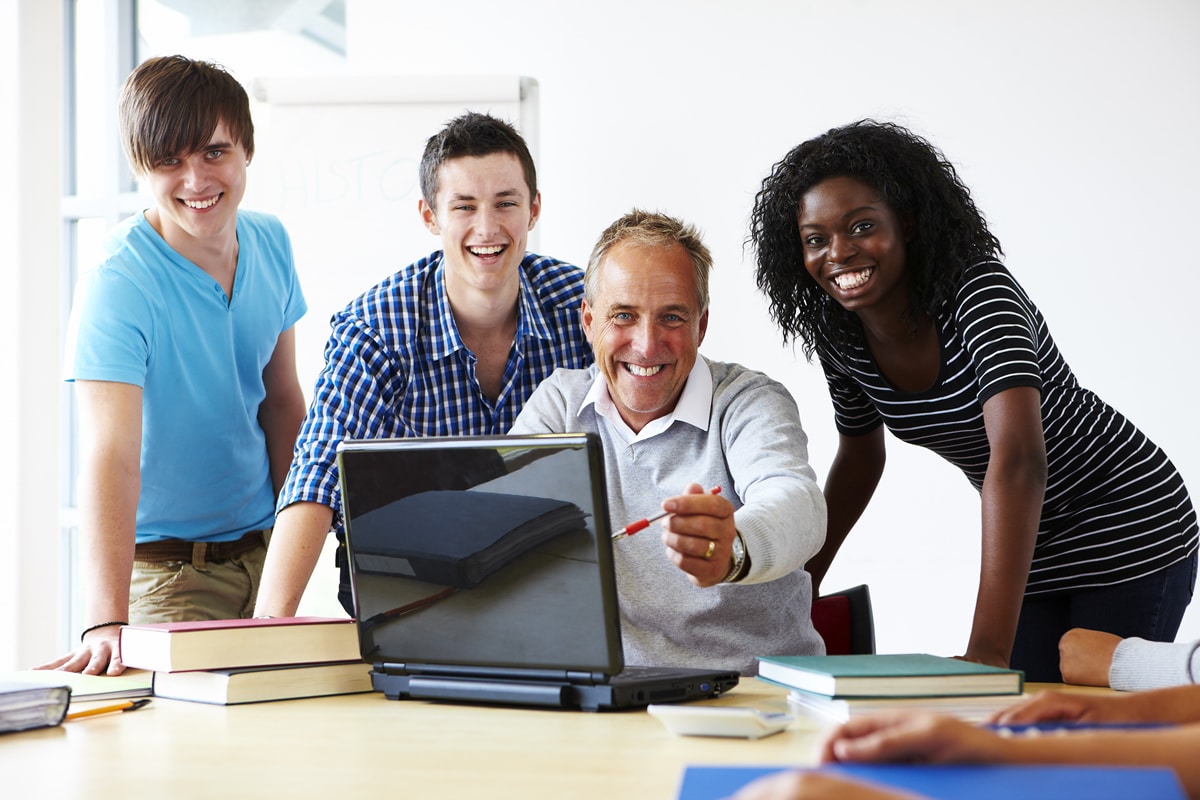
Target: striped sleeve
column 1000, row 330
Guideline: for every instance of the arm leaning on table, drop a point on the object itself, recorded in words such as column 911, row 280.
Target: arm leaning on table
column 849, row 486
column 924, row 738
column 110, row 436
column 352, row 399
column 817, row 786
column 1174, row 705
column 932, row 739
column 1096, row 658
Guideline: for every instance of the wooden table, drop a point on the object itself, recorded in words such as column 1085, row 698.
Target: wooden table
column 355, row 745
column 333, row 747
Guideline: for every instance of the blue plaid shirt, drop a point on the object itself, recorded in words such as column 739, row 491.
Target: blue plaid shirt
column 395, row 366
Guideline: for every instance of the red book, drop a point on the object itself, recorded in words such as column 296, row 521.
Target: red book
column 233, row 643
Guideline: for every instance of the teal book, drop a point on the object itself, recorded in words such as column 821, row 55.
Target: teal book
column 893, row 675
column 978, row 782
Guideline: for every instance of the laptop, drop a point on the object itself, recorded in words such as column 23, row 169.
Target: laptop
column 482, row 571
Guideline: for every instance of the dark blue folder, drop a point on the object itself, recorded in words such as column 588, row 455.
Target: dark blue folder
column 978, row 782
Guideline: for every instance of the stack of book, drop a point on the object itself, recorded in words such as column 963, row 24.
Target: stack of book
column 25, row 706
column 248, row 660
column 834, row 688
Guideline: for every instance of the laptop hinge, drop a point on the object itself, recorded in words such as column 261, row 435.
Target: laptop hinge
column 484, row 673
column 587, row 678
column 530, row 694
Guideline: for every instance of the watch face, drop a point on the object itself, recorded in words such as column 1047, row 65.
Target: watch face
column 738, row 557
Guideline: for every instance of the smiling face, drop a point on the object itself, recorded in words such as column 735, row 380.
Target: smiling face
column 645, row 325
column 854, row 246
column 483, row 214
column 196, row 195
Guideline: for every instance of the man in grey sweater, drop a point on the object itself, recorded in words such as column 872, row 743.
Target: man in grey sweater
column 724, row 580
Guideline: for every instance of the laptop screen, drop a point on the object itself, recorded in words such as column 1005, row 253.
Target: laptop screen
column 481, row 551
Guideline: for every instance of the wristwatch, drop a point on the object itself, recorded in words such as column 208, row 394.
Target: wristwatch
column 737, row 560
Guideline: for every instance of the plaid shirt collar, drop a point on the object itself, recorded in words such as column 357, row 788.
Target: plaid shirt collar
column 531, row 321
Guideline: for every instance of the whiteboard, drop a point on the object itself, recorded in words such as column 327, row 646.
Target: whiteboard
column 336, row 159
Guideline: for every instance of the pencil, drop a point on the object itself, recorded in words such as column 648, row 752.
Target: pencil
column 634, row 527
column 128, row 705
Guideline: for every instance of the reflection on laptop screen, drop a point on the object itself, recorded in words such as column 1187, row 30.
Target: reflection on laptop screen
column 481, row 552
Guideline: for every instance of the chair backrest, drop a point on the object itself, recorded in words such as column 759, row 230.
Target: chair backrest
column 845, row 621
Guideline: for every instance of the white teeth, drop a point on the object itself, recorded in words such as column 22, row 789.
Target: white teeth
column 643, row 372
column 200, row 204
column 487, row 251
column 852, row 280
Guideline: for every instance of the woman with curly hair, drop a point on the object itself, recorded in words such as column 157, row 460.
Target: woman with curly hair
column 873, row 254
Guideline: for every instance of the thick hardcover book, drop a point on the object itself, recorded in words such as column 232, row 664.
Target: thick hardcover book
column 835, row 710
column 25, row 706
column 232, row 643
column 953, row 782
column 254, row 685
column 900, row 675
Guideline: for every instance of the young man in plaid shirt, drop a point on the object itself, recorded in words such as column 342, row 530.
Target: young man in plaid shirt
column 450, row 345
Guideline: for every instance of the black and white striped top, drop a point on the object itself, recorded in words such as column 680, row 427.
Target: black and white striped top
column 1116, row 508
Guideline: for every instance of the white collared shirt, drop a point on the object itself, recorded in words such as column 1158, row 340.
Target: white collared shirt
column 693, row 407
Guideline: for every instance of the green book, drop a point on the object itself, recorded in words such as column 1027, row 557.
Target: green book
column 130, row 683
column 899, row 675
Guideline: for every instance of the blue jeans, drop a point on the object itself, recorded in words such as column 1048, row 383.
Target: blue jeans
column 1150, row 608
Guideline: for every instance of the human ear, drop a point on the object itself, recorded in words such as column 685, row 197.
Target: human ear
column 585, row 316
column 535, row 210
column 428, row 217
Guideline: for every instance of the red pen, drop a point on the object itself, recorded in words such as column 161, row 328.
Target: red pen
column 634, row 527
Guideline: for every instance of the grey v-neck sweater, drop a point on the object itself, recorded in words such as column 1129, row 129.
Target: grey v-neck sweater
column 757, row 451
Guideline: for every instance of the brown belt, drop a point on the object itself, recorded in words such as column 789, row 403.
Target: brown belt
column 197, row 552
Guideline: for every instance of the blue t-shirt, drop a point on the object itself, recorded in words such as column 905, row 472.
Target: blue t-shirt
column 149, row 317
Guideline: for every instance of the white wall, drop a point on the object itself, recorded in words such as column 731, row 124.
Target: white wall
column 1073, row 121
column 30, row 232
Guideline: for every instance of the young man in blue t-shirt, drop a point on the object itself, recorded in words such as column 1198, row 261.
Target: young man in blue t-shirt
column 182, row 353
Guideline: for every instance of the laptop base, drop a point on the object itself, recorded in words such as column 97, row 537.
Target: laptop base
column 553, row 694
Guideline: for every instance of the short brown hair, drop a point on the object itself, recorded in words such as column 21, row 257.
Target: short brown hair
column 172, row 104
column 651, row 229
column 473, row 134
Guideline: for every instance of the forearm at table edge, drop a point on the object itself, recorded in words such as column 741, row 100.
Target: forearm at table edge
column 296, row 545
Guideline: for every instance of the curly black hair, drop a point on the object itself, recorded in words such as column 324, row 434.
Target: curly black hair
column 917, row 183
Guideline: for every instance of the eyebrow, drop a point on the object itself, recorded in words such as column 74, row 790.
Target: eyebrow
column 674, row 307
column 501, row 193
column 847, row 215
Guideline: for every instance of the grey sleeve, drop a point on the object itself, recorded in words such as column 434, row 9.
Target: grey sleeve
column 784, row 516
column 545, row 411
column 1139, row 664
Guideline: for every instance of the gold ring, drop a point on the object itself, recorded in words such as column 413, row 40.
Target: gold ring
column 712, row 548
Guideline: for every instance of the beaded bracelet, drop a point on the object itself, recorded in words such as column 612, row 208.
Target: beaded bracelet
column 86, row 631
